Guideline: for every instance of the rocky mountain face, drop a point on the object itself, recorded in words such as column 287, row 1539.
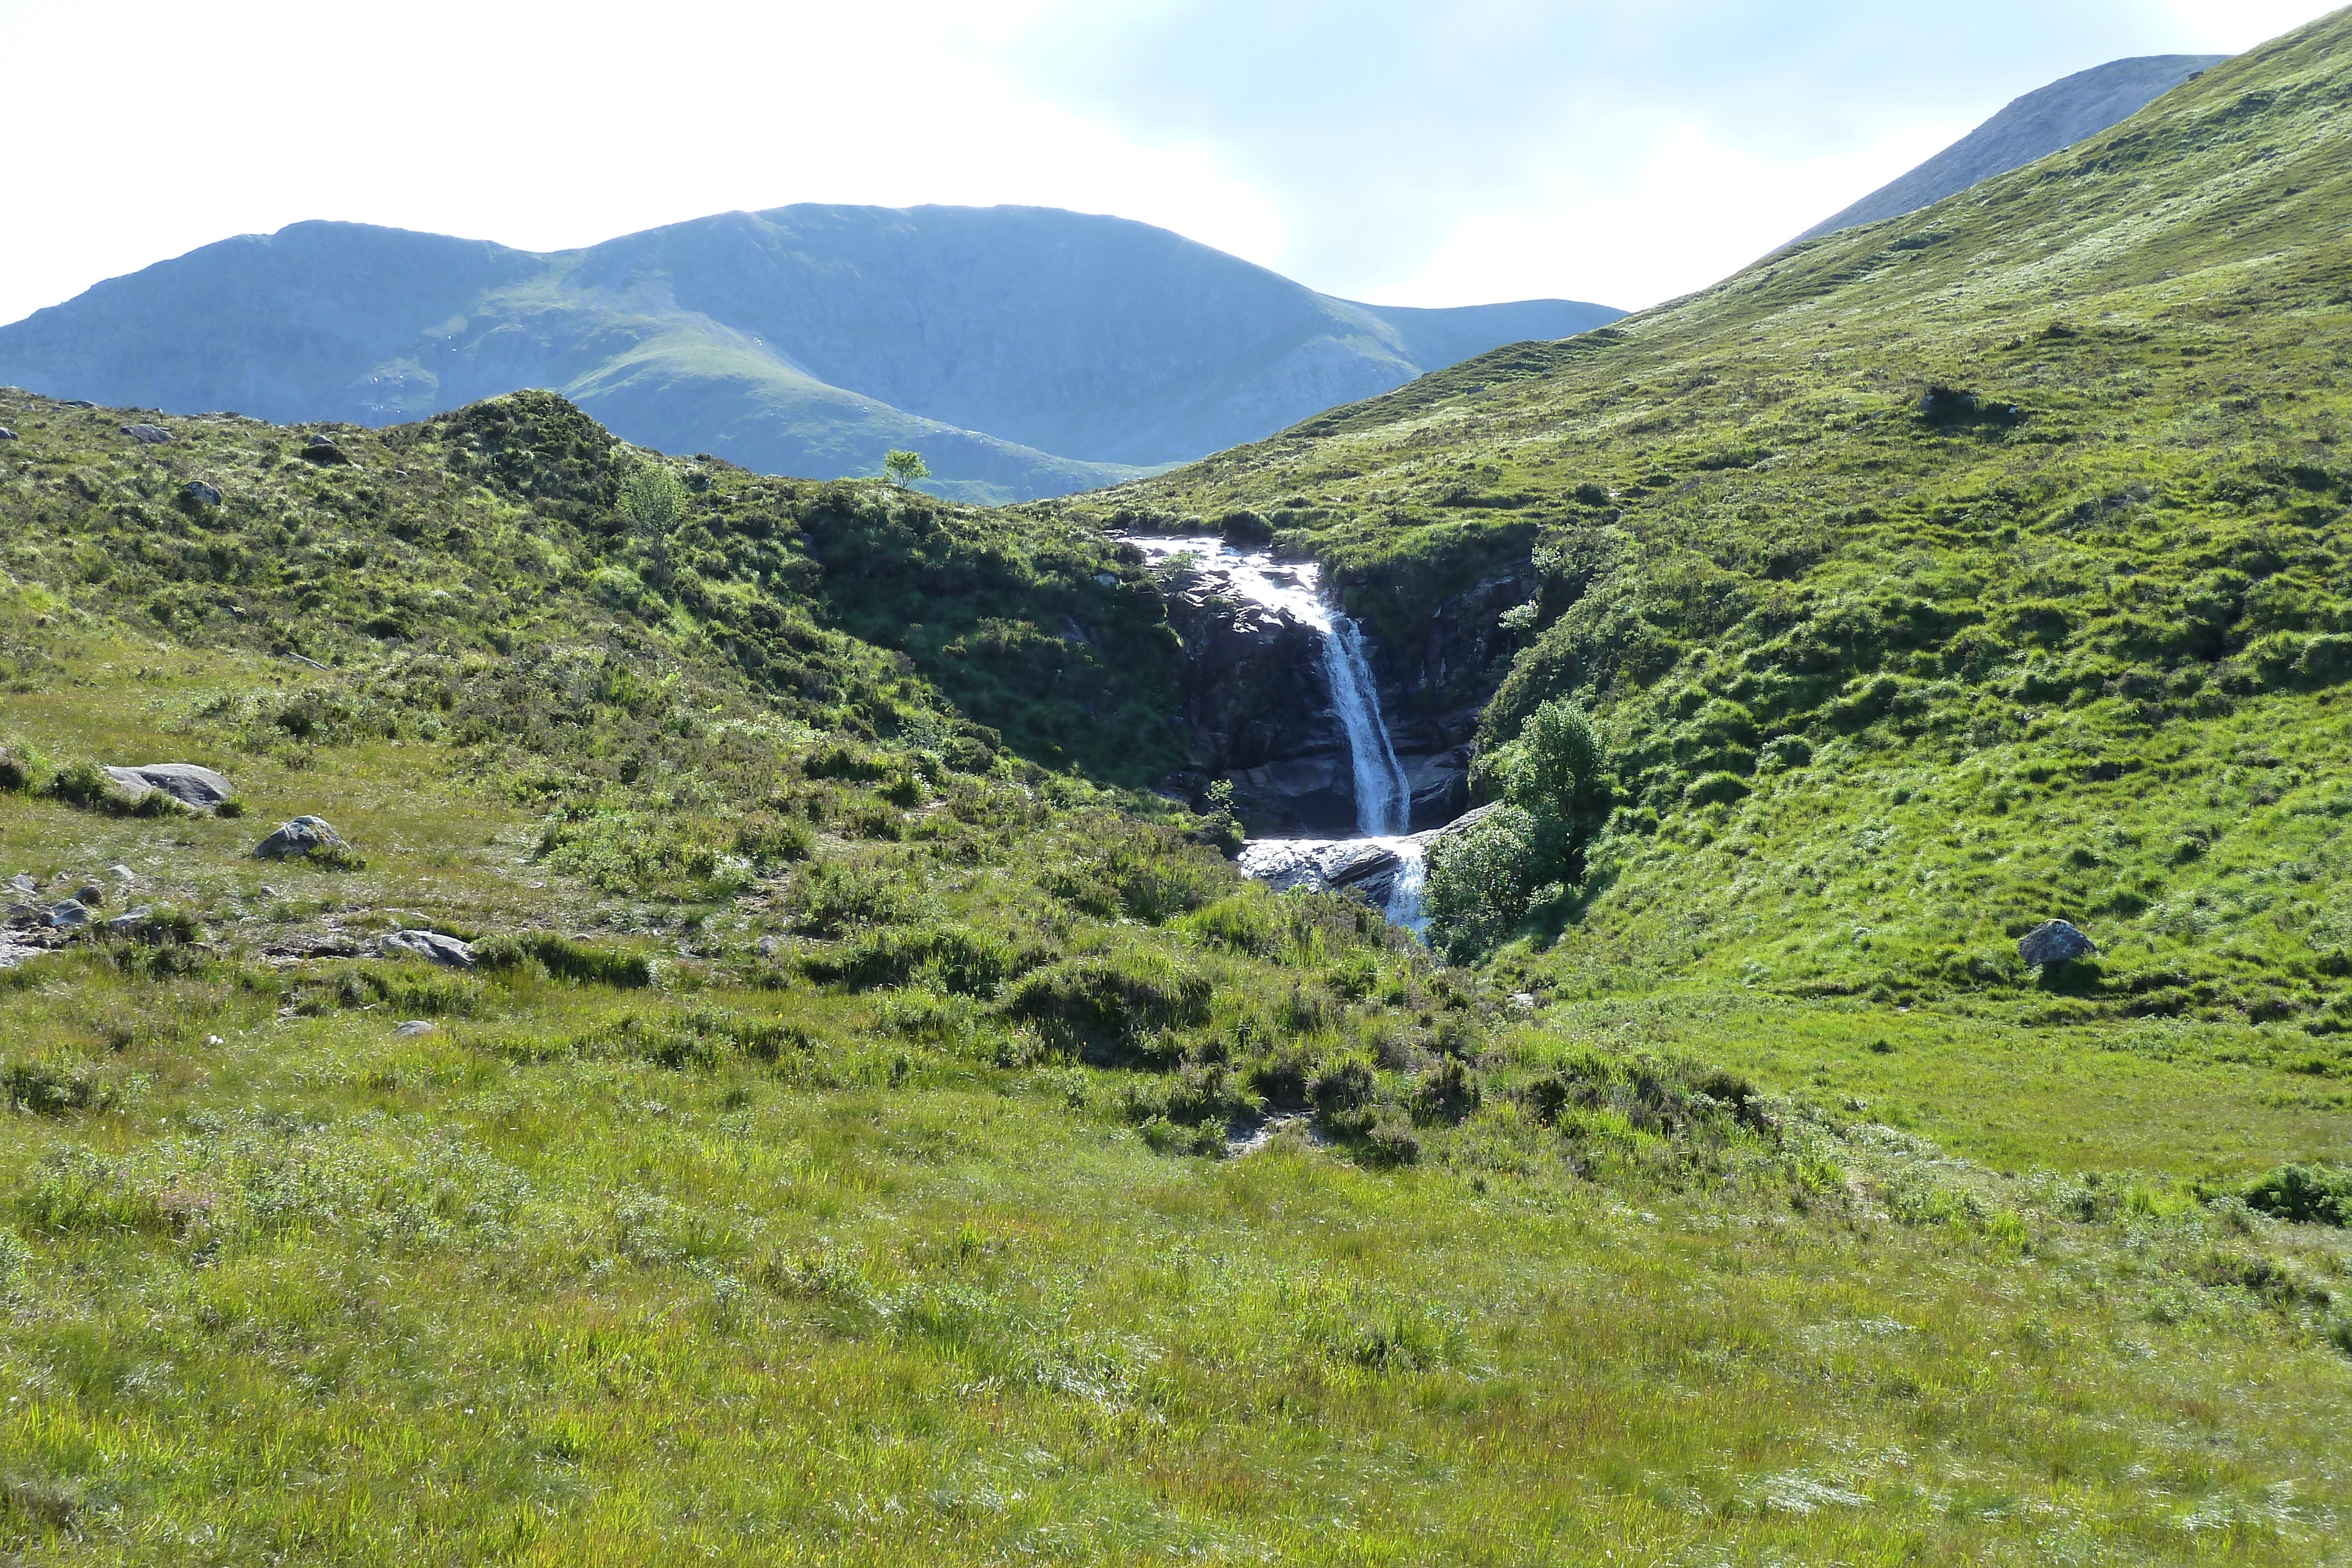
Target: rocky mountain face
column 1025, row 351
column 2032, row 128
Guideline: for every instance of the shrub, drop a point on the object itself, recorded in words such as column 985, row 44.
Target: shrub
column 13, row 774
column 1712, row 787
column 2305, row 1195
column 565, row 959
column 1447, row 1092
column 85, row 784
column 834, row 897
column 1392, row 1142
column 50, row 1089
column 1105, row 1004
column 1477, row 887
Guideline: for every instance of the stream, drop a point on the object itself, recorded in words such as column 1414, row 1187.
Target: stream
column 1384, row 862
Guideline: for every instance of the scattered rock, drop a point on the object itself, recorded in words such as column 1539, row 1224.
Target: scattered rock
column 269, row 892
column 147, row 434
column 2054, row 942
column 323, row 449
column 430, row 946
column 122, row 873
column 214, row 1039
column 130, row 922
column 23, row 882
column 202, row 494
column 15, row 953
column 6, row 434
column 77, row 402
column 68, row 915
column 199, row 789
column 1523, row 998
column 302, row 836
column 416, row 1026
column 89, row 894
column 22, row 915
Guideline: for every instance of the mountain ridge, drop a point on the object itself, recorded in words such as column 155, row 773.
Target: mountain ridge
column 2031, row 127
column 1026, row 351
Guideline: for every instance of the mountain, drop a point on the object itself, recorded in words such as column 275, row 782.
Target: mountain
column 1025, row 351
column 1924, row 583
column 2043, row 121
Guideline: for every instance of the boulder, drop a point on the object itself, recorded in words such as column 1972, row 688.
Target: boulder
column 323, row 449
column 302, row 836
column 2054, row 942
column 6, row 434
column 77, row 402
column 199, row 789
column 122, row 873
column 147, row 434
column 90, row 896
column 23, row 882
column 130, row 922
column 68, row 915
column 201, row 493
column 430, row 946
column 415, row 1027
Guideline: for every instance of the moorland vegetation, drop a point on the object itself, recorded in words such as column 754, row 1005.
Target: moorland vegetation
column 875, row 1127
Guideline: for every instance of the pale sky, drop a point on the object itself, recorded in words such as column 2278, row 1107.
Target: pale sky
column 1401, row 151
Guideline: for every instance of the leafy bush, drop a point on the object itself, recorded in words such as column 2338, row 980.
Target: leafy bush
column 1104, row 1006
column 564, row 959
column 838, row 896
column 2304, row 1193
column 1476, row 886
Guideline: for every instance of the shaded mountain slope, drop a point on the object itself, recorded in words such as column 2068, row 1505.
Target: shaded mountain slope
column 2043, row 121
column 1928, row 580
column 1025, row 351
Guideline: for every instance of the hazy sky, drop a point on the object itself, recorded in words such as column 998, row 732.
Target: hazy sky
column 1415, row 153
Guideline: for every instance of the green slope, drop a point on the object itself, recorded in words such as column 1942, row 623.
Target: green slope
column 2063, row 637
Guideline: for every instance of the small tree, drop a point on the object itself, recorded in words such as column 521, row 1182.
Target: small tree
column 1557, row 780
column 652, row 502
column 1477, row 887
column 904, row 467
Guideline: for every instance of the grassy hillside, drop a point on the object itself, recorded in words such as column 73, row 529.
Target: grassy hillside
column 1932, row 579
column 876, row 1130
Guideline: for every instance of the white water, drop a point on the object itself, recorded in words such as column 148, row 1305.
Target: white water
column 1383, row 797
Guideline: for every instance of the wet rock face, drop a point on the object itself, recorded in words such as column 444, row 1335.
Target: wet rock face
column 1257, row 710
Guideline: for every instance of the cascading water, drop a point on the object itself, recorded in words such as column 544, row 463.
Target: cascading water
column 1383, row 795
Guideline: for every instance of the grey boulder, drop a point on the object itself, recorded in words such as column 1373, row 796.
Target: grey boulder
column 202, row 494
column 300, row 837
column 89, row 894
column 323, row 449
column 130, row 922
column 200, row 788
column 147, row 434
column 66, row 915
column 415, row 1027
column 6, row 434
column 430, row 946
column 2054, row 942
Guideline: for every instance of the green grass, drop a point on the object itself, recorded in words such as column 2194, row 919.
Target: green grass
column 853, row 1147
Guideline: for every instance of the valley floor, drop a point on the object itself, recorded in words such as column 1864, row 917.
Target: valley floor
column 708, row 1271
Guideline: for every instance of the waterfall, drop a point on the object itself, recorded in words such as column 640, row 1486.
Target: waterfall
column 1384, row 794
column 1384, row 799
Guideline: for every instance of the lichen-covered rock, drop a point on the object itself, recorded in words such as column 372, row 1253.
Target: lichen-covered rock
column 199, row 789
column 70, row 913
column 147, row 434
column 430, row 946
column 302, row 836
column 201, row 493
column 2054, row 942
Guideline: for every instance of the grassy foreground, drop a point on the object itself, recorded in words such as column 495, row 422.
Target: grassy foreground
column 742, row 1265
